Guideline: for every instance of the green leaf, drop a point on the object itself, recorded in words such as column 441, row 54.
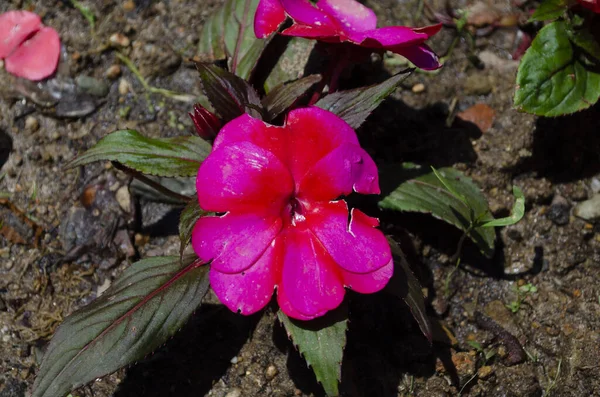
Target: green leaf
column 138, row 313
column 291, row 63
column 412, row 189
column 179, row 156
column 229, row 95
column 321, row 342
column 551, row 9
column 555, row 77
column 283, row 96
column 190, row 214
column 406, row 286
column 515, row 215
column 354, row 106
column 229, row 33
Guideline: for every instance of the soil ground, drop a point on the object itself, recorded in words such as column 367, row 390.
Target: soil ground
column 68, row 233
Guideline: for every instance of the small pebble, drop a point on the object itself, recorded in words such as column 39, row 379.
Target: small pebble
column 485, row 371
column 32, row 124
column 234, row 360
column 271, row 372
column 418, row 88
column 124, row 198
column 589, row 210
column 113, row 72
column 124, row 87
column 119, row 40
column 129, row 6
column 234, row 393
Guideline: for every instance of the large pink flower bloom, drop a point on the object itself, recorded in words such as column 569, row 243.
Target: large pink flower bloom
column 338, row 21
column 284, row 225
column 29, row 49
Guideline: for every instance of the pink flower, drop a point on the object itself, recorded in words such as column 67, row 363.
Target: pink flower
column 339, row 21
column 29, row 49
column 206, row 123
column 284, row 225
column 593, row 5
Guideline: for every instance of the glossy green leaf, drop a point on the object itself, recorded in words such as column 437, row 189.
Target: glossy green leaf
column 138, row 313
column 516, row 214
column 229, row 33
column 551, row 9
column 190, row 214
column 413, row 189
column 179, row 156
column 321, row 342
column 354, row 106
column 291, row 63
column 555, row 77
column 229, row 95
column 406, row 286
column 283, row 96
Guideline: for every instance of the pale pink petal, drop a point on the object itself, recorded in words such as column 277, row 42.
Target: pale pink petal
column 368, row 283
column 250, row 290
column 313, row 134
column 346, row 168
column 310, row 279
column 243, row 177
column 324, row 33
column 356, row 247
column 15, row 27
column 37, row 57
column 304, row 12
column 390, row 36
column 350, row 14
column 234, row 242
column 268, row 18
column 421, row 56
column 248, row 129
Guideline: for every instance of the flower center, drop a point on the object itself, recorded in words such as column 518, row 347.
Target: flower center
column 295, row 211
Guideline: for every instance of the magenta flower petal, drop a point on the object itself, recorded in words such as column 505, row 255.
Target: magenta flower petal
column 234, row 242
column 314, row 133
column 286, row 306
column 268, row 18
column 356, row 247
column 37, row 57
column 249, row 291
column 391, row 36
column 309, row 276
column 15, row 27
column 350, row 14
column 368, row 283
column 323, row 33
column 304, row 12
column 421, row 56
column 248, row 129
column 243, row 177
column 346, row 168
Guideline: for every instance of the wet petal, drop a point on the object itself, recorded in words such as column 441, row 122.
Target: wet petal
column 248, row 129
column 234, row 242
column 368, row 283
column 304, row 12
column 269, row 16
column 350, row 14
column 37, row 57
column 310, row 279
column 243, row 177
column 421, row 56
column 357, row 247
column 314, row 133
column 250, row 290
column 346, row 168
column 15, row 27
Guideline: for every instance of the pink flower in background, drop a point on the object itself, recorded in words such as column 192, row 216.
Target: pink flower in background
column 284, row 225
column 339, row 21
column 29, row 49
column 593, row 5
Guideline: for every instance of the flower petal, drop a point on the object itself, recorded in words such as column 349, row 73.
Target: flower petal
column 313, row 134
column 37, row 57
column 289, row 310
column 243, row 177
column 248, row 129
column 15, row 27
column 421, row 56
column 234, row 242
column 324, row 33
column 304, row 12
column 309, row 279
column 268, row 18
column 357, row 247
column 390, row 36
column 250, row 290
column 346, row 168
column 368, row 283
column 350, row 14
